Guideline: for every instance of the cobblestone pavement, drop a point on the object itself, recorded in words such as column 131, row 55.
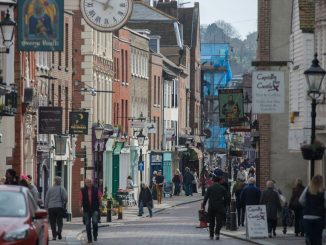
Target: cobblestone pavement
column 163, row 225
column 172, row 226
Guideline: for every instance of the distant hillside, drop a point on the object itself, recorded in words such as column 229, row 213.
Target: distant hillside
column 242, row 52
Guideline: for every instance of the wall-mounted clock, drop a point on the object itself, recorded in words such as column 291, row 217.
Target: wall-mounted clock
column 106, row 15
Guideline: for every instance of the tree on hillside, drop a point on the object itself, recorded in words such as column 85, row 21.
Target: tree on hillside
column 242, row 52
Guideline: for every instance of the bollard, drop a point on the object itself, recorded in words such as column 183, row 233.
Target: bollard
column 228, row 219
column 120, row 209
column 109, row 211
column 233, row 215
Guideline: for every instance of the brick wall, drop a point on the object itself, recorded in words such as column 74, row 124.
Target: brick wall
column 77, row 98
column 264, row 53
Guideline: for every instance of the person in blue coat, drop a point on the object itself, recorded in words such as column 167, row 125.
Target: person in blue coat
column 250, row 194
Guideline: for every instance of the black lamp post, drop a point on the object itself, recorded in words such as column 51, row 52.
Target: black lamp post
column 227, row 141
column 98, row 135
column 7, row 26
column 314, row 76
column 202, row 137
column 141, row 140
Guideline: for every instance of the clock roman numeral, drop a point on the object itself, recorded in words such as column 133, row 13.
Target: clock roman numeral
column 89, row 5
column 114, row 19
column 106, row 21
column 98, row 19
column 120, row 12
column 92, row 13
column 122, row 5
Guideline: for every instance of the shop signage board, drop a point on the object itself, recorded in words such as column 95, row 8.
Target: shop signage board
column 78, row 122
column 151, row 127
column 256, row 221
column 267, row 92
column 40, row 25
column 50, row 120
column 231, row 107
column 137, row 124
column 141, row 166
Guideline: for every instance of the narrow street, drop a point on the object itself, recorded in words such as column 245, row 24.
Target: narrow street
column 172, row 226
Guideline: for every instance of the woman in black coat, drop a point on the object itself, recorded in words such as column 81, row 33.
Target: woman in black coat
column 297, row 208
column 271, row 199
column 145, row 200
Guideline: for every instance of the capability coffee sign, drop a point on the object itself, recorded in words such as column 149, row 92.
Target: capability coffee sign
column 256, row 219
column 268, row 92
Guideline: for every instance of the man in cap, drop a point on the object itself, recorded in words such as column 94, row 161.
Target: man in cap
column 218, row 198
column 159, row 179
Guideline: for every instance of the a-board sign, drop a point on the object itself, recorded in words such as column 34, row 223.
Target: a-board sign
column 256, row 220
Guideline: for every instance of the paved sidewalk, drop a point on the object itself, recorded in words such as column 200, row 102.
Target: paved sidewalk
column 73, row 231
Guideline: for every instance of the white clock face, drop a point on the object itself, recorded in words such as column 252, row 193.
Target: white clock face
column 106, row 15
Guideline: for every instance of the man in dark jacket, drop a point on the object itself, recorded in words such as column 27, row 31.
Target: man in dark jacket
column 218, row 198
column 250, row 195
column 145, row 200
column 90, row 201
column 188, row 179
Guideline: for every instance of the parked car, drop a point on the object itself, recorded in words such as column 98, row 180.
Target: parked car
column 21, row 220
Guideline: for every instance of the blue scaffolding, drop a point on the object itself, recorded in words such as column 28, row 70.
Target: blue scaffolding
column 216, row 74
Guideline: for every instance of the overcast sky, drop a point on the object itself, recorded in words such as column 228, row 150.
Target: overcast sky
column 241, row 14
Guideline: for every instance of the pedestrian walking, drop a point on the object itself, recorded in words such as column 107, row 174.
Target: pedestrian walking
column 297, row 208
column 153, row 185
column 159, row 179
column 250, row 195
column 130, row 183
column 202, row 182
column 145, row 200
column 188, row 179
column 241, row 175
column 271, row 199
column 90, row 201
column 313, row 200
column 217, row 197
column 11, row 177
column 55, row 201
column 194, row 182
column 177, row 180
column 236, row 191
column 25, row 181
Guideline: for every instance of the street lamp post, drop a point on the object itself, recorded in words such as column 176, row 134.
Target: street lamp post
column 141, row 140
column 314, row 77
column 98, row 135
column 227, row 141
column 7, row 27
column 202, row 142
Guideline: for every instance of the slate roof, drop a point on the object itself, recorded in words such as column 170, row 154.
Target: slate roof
column 189, row 17
column 144, row 12
column 307, row 16
column 159, row 23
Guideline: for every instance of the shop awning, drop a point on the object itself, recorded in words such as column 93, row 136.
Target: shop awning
column 118, row 147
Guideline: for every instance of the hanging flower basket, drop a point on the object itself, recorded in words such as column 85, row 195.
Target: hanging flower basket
column 313, row 151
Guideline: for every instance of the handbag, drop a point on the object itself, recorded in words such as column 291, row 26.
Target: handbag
column 64, row 208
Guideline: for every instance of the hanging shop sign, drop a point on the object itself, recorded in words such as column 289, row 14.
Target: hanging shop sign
column 231, row 107
column 267, row 92
column 151, row 127
column 78, row 122
column 40, row 25
column 50, row 120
